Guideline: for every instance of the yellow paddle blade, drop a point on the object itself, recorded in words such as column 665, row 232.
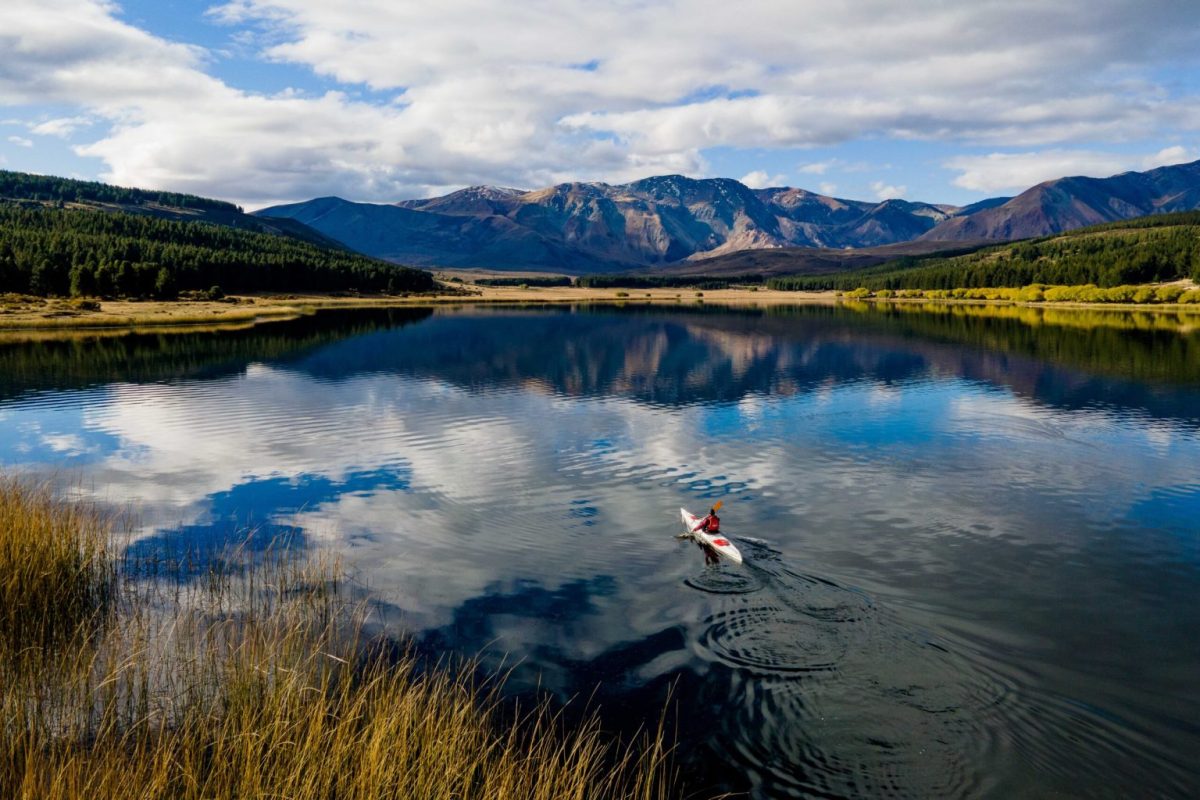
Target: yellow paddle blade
column 717, row 507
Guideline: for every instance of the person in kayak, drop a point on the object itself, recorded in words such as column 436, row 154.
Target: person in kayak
column 710, row 524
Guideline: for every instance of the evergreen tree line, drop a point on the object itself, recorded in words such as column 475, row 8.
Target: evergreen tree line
column 47, row 188
column 1150, row 249
column 63, row 252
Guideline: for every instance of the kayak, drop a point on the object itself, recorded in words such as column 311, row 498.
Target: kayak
column 718, row 543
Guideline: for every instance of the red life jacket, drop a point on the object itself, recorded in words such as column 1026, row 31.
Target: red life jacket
column 712, row 523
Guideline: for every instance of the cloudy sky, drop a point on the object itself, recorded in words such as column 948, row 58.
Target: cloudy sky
column 261, row 101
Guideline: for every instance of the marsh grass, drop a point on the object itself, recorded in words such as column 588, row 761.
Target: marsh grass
column 56, row 573
column 255, row 679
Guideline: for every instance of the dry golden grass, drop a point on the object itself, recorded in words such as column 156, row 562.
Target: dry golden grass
column 253, row 679
column 55, row 570
column 41, row 314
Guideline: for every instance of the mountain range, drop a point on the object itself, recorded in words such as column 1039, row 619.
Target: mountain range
column 650, row 224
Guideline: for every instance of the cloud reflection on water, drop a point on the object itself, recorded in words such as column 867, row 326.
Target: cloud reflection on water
column 511, row 480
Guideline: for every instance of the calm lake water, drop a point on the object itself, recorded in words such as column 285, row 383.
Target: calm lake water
column 972, row 538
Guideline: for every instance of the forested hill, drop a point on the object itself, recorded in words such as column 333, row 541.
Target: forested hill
column 1148, row 249
column 52, row 192
column 48, row 188
column 48, row 250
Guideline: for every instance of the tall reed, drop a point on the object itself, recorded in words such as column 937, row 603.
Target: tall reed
column 55, row 567
column 257, row 681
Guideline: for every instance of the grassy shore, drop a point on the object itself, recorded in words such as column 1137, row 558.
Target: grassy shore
column 250, row 676
column 30, row 313
column 25, row 315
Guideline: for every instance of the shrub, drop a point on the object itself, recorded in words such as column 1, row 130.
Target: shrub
column 1168, row 294
column 1118, row 294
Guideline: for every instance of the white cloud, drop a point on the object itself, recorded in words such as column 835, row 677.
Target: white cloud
column 531, row 93
column 61, row 127
column 996, row 172
column 67, row 444
column 20, row 141
column 886, row 191
column 761, row 179
column 826, row 188
column 817, row 167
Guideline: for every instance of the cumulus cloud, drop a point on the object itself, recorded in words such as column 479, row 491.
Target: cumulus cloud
column 761, row 179
column 20, row 141
column 546, row 90
column 996, row 172
column 886, row 191
column 826, row 188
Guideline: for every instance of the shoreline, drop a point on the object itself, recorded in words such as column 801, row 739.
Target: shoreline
column 47, row 316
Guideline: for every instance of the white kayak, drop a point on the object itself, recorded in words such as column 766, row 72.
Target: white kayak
column 717, row 543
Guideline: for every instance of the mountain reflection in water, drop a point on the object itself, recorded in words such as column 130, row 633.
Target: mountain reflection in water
column 972, row 564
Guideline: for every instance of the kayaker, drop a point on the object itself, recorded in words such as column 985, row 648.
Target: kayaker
column 710, row 524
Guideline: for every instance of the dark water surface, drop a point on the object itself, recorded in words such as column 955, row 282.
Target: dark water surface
column 971, row 538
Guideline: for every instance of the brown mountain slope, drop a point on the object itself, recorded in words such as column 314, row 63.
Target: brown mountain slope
column 594, row 227
column 1067, row 203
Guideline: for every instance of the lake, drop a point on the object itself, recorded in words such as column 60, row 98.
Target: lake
column 972, row 535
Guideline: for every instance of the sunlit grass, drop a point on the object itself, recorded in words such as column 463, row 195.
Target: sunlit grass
column 55, row 569
column 256, row 680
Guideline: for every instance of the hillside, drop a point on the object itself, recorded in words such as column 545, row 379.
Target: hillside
column 1154, row 248
column 61, row 237
column 805, row 260
column 596, row 227
column 400, row 234
column 51, row 191
column 1075, row 202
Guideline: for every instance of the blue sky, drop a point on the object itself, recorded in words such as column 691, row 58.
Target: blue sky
column 261, row 101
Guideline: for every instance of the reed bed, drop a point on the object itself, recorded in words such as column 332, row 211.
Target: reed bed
column 56, row 573
column 250, row 676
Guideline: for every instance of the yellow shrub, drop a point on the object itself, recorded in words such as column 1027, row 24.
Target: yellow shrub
column 1168, row 294
column 1119, row 294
